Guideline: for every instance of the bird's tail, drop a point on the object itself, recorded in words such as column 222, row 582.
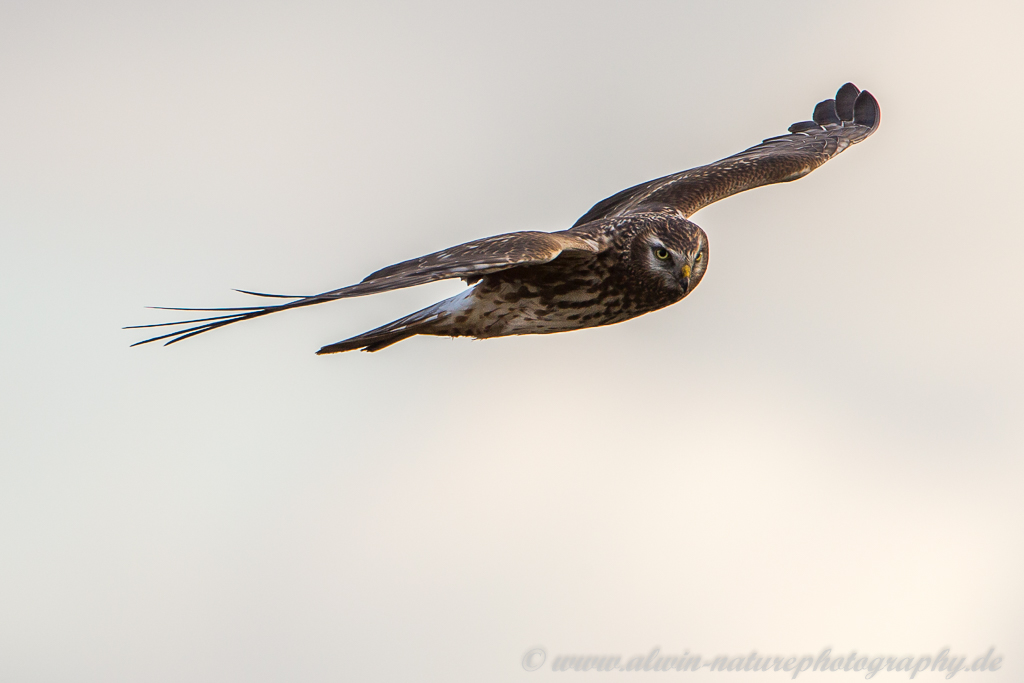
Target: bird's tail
column 420, row 322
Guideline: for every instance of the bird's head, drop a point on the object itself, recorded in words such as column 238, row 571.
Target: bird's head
column 671, row 255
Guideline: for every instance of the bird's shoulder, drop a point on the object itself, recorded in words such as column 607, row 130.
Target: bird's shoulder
column 608, row 233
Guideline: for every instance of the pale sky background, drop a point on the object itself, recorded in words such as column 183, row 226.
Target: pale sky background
column 821, row 447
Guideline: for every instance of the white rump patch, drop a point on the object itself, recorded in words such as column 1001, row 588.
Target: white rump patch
column 460, row 303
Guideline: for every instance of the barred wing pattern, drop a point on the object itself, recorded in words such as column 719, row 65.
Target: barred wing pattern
column 467, row 261
column 851, row 117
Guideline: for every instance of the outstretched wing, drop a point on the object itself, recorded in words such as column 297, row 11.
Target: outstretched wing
column 468, row 261
column 851, row 117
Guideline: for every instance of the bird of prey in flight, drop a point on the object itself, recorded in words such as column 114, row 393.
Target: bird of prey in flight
column 632, row 253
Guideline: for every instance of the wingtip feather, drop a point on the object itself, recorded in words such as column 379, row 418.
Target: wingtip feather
column 866, row 111
column 803, row 127
column 272, row 296
column 825, row 113
column 845, row 98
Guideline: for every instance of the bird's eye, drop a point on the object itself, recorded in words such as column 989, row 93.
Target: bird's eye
column 661, row 253
column 699, row 257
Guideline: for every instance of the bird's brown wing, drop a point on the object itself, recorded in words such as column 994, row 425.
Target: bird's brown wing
column 851, row 117
column 467, row 261
column 477, row 258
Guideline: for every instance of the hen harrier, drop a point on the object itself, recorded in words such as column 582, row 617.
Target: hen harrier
column 632, row 253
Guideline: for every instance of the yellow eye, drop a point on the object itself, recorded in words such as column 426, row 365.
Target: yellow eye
column 699, row 257
column 661, row 253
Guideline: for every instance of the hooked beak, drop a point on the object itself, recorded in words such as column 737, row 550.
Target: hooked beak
column 685, row 279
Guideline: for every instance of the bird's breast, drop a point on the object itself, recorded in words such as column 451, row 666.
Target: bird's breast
column 544, row 300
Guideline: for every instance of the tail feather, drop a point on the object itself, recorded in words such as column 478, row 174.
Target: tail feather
column 421, row 322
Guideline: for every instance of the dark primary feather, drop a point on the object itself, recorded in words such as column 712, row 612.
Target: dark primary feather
column 837, row 124
column 845, row 99
column 468, row 260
